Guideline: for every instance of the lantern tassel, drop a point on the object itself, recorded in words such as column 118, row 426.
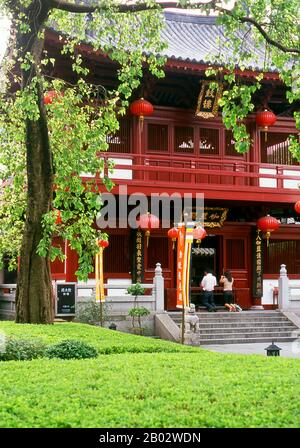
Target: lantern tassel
column 141, row 123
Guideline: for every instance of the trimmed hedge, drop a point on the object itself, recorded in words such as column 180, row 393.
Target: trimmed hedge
column 190, row 387
column 106, row 341
column 71, row 349
column 22, row 349
column 145, row 390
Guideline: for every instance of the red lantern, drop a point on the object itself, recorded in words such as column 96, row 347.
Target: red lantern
column 198, row 234
column 103, row 243
column 58, row 219
column 268, row 224
column 148, row 222
column 173, row 233
column 265, row 119
column 49, row 96
column 141, row 108
column 297, row 207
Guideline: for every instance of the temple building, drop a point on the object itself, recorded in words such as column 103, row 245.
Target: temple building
column 176, row 150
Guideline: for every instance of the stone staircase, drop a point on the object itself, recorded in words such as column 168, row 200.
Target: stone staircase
column 245, row 327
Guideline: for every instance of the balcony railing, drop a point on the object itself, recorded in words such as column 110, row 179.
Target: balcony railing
column 205, row 173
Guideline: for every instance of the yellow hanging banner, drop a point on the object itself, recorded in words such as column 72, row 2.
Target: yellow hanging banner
column 180, row 258
column 100, row 297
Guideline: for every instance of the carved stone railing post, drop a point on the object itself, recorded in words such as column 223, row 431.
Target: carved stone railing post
column 158, row 281
column 283, row 289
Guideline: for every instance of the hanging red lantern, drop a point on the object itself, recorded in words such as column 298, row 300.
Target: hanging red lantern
column 199, row 233
column 265, row 119
column 50, row 96
column 58, row 219
column 268, row 224
column 297, row 207
column 173, row 233
column 103, row 243
column 148, row 222
column 141, row 108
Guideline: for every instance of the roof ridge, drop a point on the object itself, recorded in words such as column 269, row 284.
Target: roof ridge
column 189, row 18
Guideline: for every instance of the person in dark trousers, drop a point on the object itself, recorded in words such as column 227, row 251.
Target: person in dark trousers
column 227, row 281
column 208, row 284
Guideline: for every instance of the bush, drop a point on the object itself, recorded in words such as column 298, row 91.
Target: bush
column 22, row 349
column 136, row 290
column 71, row 349
column 89, row 312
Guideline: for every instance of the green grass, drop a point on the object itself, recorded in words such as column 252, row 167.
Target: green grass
column 184, row 388
column 106, row 341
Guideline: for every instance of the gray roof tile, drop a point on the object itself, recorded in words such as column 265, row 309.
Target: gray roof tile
column 193, row 38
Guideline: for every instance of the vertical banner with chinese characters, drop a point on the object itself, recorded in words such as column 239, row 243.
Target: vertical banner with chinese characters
column 138, row 259
column 208, row 100
column 180, row 258
column 257, row 263
column 187, row 261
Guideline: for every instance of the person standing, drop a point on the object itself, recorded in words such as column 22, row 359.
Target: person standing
column 227, row 281
column 208, row 284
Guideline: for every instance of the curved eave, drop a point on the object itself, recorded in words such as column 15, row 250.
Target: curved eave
column 173, row 63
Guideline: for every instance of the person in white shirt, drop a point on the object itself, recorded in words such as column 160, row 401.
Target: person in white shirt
column 208, row 284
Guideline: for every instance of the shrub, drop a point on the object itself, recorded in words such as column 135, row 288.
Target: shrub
column 22, row 349
column 137, row 313
column 89, row 312
column 136, row 290
column 71, row 349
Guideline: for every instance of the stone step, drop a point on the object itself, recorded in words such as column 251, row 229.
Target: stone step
column 275, row 325
column 229, row 316
column 247, row 330
column 205, row 341
column 232, row 315
column 247, row 334
column 253, row 322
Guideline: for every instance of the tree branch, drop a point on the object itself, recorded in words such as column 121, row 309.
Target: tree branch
column 123, row 8
column 271, row 41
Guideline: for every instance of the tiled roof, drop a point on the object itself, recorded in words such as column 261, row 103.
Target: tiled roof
column 193, row 38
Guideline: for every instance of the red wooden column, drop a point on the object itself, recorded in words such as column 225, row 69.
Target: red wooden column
column 71, row 263
column 255, row 154
column 137, row 143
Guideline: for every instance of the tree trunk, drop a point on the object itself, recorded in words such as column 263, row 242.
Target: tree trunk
column 34, row 302
column 34, row 290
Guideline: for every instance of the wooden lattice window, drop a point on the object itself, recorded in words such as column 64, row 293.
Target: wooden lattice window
column 158, row 137
column 229, row 145
column 209, row 141
column 121, row 141
column 117, row 255
column 279, row 250
column 276, row 149
column 184, row 139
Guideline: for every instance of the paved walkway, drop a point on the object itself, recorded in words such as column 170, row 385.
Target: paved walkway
column 288, row 349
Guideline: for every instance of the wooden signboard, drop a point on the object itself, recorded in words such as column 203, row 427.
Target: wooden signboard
column 208, row 100
column 65, row 299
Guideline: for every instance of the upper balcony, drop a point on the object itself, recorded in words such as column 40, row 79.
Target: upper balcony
column 174, row 151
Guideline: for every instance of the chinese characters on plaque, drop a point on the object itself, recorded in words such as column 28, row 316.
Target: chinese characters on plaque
column 65, row 298
column 258, row 256
column 139, row 256
column 208, row 100
column 210, row 216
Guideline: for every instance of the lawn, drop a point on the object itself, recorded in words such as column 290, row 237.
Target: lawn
column 149, row 383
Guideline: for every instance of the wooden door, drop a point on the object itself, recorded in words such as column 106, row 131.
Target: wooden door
column 235, row 257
